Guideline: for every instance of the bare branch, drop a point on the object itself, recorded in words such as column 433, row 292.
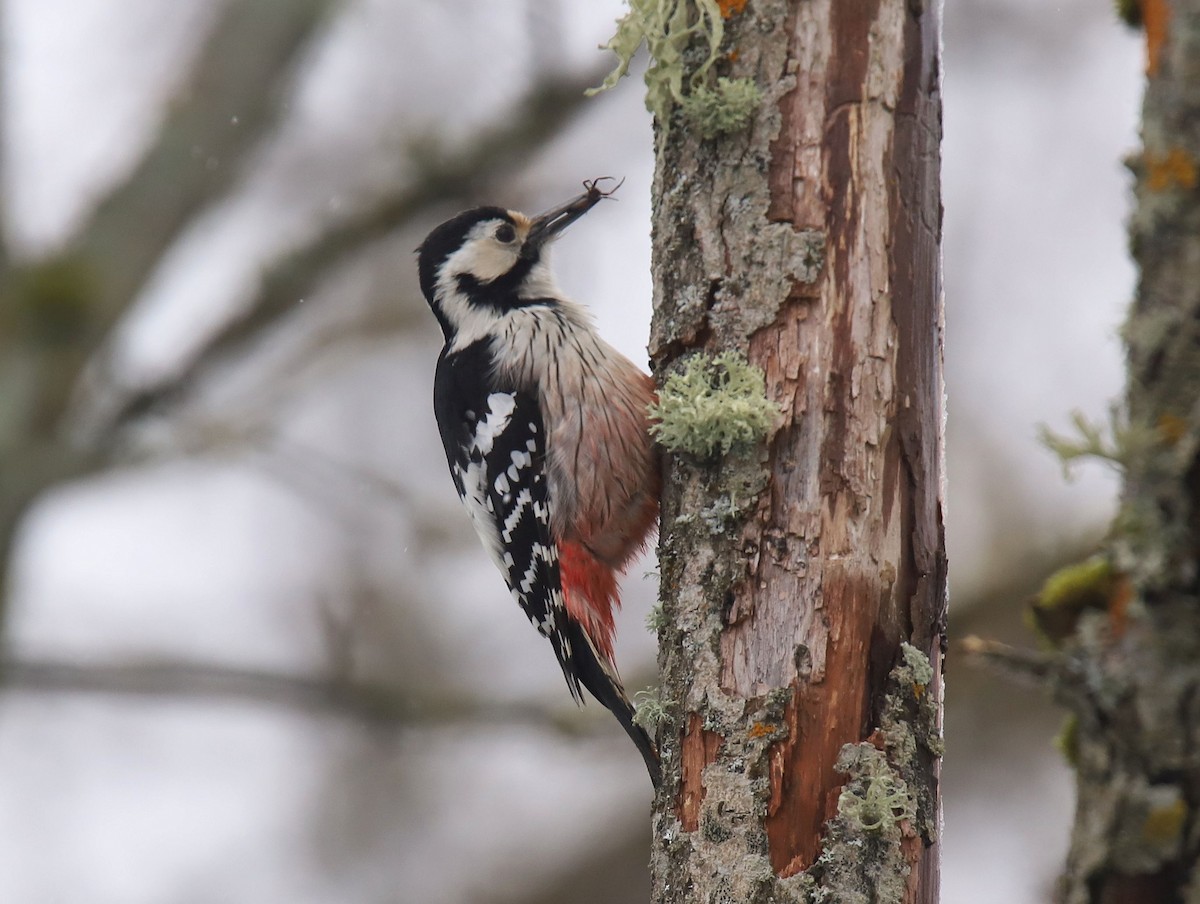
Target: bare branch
column 373, row 703
column 56, row 312
column 232, row 97
column 444, row 177
column 1016, row 662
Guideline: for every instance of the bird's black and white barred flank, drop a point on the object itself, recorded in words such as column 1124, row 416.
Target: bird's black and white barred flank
column 544, row 428
column 496, row 456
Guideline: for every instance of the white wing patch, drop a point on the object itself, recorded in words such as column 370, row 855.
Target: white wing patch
column 474, row 478
column 495, row 421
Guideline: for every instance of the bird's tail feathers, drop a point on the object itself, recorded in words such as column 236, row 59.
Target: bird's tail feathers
column 599, row 676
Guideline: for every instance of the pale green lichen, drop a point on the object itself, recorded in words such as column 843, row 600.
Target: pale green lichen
column 726, row 108
column 876, row 799
column 1116, row 444
column 721, row 515
column 915, row 667
column 656, row 619
column 670, row 28
column 909, row 723
column 649, row 711
column 712, row 405
column 863, row 860
column 717, row 518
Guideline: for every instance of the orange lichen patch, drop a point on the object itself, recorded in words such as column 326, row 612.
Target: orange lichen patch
column 1175, row 169
column 1172, row 428
column 700, row 748
column 761, row 730
column 919, row 690
column 1155, row 14
column 1118, row 605
column 732, row 56
column 1164, row 825
column 730, row 7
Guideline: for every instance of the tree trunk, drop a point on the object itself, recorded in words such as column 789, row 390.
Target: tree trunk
column 804, row 579
column 1131, row 669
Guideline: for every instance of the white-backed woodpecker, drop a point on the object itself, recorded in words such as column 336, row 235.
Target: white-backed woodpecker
column 546, row 432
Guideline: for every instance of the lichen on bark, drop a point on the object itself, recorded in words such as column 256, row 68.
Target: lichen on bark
column 684, row 39
column 863, row 861
column 803, row 576
column 711, row 403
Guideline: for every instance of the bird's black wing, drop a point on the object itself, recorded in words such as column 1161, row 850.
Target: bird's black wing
column 495, row 444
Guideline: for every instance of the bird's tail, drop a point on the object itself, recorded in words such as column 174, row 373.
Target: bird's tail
column 600, row 678
column 590, row 595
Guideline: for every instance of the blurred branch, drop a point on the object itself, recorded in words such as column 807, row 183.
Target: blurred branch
column 56, row 312
column 333, row 484
column 1068, row 678
column 1017, row 662
column 232, row 98
column 4, row 138
column 443, row 177
column 373, row 703
column 327, row 480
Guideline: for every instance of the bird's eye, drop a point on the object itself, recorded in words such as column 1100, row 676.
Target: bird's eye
column 506, row 233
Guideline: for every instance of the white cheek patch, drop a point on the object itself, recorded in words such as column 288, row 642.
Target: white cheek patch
column 485, row 259
column 489, row 260
column 482, row 255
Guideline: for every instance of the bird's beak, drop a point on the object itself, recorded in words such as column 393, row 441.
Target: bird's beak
column 552, row 222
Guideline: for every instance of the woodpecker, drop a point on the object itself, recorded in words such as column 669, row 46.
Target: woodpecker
column 546, row 433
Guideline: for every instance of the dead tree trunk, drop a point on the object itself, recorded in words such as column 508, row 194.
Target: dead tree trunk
column 1130, row 669
column 804, row 577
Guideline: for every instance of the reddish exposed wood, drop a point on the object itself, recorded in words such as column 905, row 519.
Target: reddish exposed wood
column 700, row 748
column 822, row 717
column 1156, row 16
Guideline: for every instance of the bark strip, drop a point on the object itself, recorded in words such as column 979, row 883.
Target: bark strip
column 804, row 581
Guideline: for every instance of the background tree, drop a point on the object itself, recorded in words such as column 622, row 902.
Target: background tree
column 1125, row 624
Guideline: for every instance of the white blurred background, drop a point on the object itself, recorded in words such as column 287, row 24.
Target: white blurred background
column 256, row 653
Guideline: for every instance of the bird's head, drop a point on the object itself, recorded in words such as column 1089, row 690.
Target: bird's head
column 487, row 261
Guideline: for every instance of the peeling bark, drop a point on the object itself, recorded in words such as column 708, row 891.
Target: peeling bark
column 804, row 625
